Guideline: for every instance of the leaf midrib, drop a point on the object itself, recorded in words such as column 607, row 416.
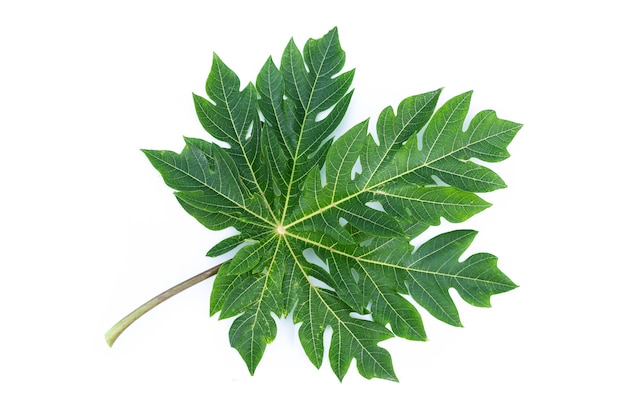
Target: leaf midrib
column 381, row 183
column 265, row 285
column 241, row 144
column 242, row 206
column 300, row 135
column 392, row 265
column 382, row 160
column 424, row 200
column 278, row 122
column 328, row 307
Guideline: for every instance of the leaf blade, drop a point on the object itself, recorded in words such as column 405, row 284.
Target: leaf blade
column 324, row 225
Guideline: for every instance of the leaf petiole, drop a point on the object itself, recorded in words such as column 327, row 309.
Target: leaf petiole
column 115, row 331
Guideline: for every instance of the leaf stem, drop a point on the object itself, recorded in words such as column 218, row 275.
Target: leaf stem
column 115, row 331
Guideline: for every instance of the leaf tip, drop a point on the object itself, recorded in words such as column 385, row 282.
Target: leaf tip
column 334, row 32
column 188, row 140
column 149, row 153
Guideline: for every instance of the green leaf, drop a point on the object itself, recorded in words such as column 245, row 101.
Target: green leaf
column 351, row 339
column 325, row 221
column 227, row 245
column 428, row 205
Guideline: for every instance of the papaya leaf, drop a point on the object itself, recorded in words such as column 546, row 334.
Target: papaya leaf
column 277, row 173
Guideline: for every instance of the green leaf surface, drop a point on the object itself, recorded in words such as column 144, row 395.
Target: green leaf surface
column 324, row 220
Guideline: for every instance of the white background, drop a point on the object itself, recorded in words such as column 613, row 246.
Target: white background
column 88, row 230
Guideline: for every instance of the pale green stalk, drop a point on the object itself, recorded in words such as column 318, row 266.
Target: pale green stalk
column 115, row 331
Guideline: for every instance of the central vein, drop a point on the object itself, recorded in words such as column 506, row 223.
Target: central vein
column 307, row 111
